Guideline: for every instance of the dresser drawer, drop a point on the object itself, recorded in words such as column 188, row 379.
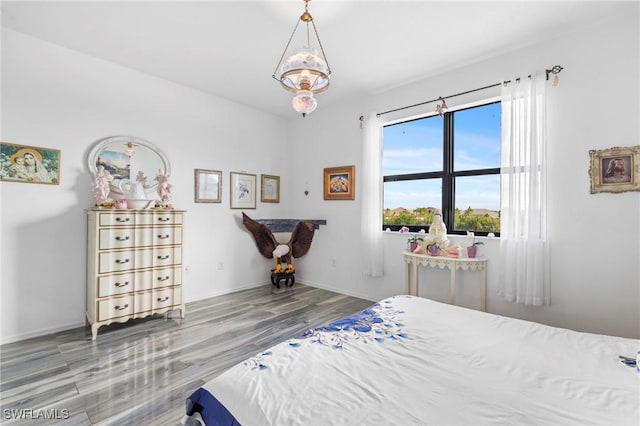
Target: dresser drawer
column 116, row 238
column 113, row 218
column 127, row 237
column 158, row 278
column 159, row 257
column 154, row 300
column 163, row 298
column 116, row 284
column 160, row 236
column 115, row 307
column 127, row 260
column 166, row 218
column 116, row 261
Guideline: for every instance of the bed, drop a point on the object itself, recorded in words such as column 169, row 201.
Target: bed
column 410, row 360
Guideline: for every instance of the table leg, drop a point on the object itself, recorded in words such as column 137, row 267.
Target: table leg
column 414, row 279
column 408, row 278
column 452, row 285
column 483, row 290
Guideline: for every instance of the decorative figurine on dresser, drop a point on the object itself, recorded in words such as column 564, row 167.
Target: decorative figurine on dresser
column 134, row 245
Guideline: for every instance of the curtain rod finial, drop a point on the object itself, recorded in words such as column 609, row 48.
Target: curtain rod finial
column 554, row 70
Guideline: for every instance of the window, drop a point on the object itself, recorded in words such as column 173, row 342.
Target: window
column 449, row 163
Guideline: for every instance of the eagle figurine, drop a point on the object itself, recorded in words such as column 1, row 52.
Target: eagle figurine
column 297, row 246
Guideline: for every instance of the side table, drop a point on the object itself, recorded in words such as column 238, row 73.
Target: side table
column 453, row 263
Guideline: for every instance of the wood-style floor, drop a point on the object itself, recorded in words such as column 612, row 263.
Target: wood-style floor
column 141, row 372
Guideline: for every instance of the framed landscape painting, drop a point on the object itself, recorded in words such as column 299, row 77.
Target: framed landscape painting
column 615, row 169
column 340, row 183
column 29, row 164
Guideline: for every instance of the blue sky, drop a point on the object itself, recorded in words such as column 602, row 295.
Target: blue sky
column 416, row 146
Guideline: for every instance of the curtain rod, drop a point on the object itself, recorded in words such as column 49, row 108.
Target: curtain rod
column 553, row 70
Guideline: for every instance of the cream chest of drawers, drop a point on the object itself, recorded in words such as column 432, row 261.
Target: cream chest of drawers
column 134, row 265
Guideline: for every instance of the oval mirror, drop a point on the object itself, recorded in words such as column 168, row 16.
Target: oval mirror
column 125, row 157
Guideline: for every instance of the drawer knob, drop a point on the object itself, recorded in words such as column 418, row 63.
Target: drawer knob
column 163, row 278
column 124, row 284
column 164, row 219
column 165, row 257
column 164, row 237
column 122, row 261
column 118, row 308
column 119, row 238
column 163, row 299
column 122, row 219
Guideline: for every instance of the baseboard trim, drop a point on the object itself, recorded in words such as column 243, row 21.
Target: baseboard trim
column 39, row 333
column 336, row 290
column 225, row 291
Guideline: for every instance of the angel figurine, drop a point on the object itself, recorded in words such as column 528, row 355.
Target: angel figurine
column 101, row 184
column 164, row 187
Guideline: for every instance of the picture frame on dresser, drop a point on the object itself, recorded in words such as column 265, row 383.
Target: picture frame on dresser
column 242, row 190
column 29, row 164
column 208, row 186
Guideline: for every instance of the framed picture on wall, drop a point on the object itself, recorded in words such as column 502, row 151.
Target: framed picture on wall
column 243, row 190
column 270, row 189
column 340, row 183
column 208, row 186
column 29, row 164
column 615, row 169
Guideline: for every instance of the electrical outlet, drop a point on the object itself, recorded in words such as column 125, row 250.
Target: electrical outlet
column 333, row 262
column 220, row 266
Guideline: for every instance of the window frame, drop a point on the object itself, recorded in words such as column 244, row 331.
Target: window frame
column 448, row 175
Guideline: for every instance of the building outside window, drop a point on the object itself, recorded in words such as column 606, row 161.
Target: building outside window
column 448, row 163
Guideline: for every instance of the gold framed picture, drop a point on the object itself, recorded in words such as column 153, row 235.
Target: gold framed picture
column 270, row 189
column 340, row 183
column 615, row 169
column 208, row 186
column 29, row 164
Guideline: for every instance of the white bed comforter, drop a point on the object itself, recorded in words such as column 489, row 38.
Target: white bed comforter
column 409, row 360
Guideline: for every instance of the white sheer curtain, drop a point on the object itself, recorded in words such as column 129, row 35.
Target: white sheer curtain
column 371, row 184
column 524, row 249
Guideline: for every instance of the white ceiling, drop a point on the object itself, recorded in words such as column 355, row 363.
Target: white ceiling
column 231, row 48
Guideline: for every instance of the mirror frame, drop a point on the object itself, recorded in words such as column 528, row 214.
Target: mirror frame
column 110, row 141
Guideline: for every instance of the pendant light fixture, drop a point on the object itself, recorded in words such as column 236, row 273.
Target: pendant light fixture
column 305, row 71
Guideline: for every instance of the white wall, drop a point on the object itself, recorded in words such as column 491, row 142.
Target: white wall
column 57, row 98
column 596, row 106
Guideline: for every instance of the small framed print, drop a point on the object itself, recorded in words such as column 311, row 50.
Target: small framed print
column 243, row 190
column 29, row 164
column 270, row 189
column 615, row 169
column 340, row 183
column 208, row 186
